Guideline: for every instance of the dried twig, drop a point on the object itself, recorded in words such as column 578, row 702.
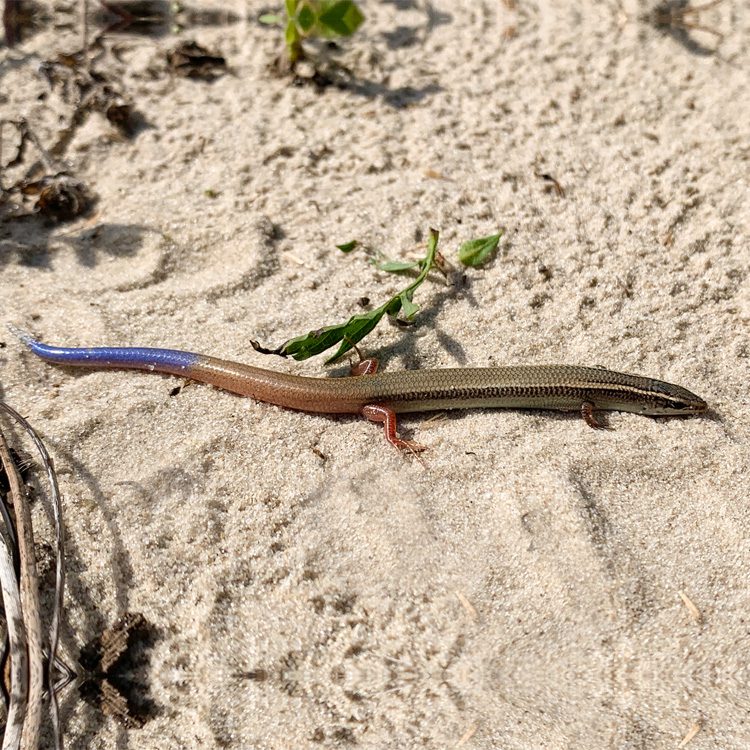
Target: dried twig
column 467, row 605
column 690, row 735
column 29, row 600
column 679, row 15
column 695, row 613
column 17, row 637
column 54, row 634
column 467, row 735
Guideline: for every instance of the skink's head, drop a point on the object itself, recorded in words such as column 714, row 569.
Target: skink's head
column 673, row 399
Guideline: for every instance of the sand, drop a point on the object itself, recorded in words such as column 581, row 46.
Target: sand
column 525, row 585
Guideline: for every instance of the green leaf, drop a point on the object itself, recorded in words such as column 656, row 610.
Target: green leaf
column 291, row 8
column 393, row 306
column 342, row 17
column 347, row 247
column 356, row 329
column 315, row 342
column 408, row 308
column 272, row 19
column 477, row 252
column 292, row 35
column 306, row 18
column 397, row 266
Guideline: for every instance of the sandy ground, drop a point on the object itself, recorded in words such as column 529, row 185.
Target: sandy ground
column 308, row 587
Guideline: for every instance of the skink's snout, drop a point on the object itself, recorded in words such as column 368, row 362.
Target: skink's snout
column 694, row 405
column 677, row 400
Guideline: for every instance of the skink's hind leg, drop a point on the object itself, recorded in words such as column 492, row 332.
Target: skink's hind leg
column 367, row 366
column 588, row 412
column 380, row 413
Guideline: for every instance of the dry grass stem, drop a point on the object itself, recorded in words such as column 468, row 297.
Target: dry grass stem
column 53, row 662
column 695, row 613
column 17, row 638
column 691, row 733
column 29, row 600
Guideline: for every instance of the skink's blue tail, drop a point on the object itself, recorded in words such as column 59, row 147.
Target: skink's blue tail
column 138, row 358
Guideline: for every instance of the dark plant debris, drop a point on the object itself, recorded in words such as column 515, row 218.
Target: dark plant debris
column 678, row 19
column 192, row 60
column 110, row 661
column 156, row 17
column 60, row 197
column 22, row 19
column 152, row 18
column 88, row 91
column 551, row 183
column 23, row 463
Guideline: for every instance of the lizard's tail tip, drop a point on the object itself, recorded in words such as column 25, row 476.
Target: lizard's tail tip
column 23, row 336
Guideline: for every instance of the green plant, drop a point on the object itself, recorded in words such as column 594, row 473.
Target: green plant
column 347, row 334
column 309, row 18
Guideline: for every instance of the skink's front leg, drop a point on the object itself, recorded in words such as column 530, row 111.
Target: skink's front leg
column 588, row 413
